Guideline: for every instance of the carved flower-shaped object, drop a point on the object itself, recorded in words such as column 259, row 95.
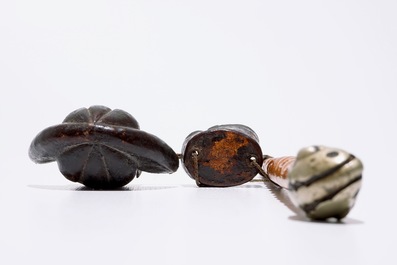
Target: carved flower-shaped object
column 102, row 148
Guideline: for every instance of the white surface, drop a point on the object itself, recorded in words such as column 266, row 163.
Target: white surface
column 297, row 72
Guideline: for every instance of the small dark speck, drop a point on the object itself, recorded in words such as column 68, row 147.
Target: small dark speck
column 332, row 154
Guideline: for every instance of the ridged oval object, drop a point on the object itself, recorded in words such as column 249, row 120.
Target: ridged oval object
column 277, row 169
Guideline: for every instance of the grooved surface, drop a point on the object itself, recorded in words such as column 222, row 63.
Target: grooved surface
column 102, row 148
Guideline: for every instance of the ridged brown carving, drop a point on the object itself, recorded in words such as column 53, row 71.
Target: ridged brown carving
column 102, row 148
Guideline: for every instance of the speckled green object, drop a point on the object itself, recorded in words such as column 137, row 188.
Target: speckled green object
column 324, row 182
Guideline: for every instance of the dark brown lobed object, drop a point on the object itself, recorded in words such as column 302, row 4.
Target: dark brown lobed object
column 221, row 156
column 102, row 148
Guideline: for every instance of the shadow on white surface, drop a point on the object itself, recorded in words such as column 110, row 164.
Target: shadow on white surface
column 344, row 221
column 244, row 186
column 136, row 187
column 82, row 188
column 282, row 195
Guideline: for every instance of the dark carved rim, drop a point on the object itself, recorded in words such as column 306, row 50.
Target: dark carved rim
column 150, row 152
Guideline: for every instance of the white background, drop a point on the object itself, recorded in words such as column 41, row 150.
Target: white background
column 297, row 72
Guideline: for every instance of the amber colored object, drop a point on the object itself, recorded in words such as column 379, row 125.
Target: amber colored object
column 277, row 169
column 222, row 155
column 102, row 148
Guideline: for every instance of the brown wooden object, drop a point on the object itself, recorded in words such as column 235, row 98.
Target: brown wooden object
column 222, row 155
